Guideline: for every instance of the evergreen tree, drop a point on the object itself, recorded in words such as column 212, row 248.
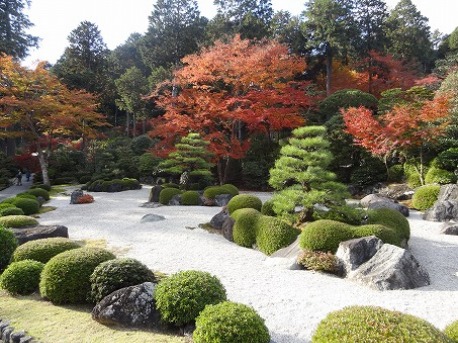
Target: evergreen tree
column 301, row 177
column 450, row 86
column 287, row 29
column 14, row 41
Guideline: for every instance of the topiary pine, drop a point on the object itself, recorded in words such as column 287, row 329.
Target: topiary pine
column 301, row 177
column 191, row 157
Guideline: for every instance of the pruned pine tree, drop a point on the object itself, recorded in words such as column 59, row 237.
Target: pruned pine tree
column 301, row 177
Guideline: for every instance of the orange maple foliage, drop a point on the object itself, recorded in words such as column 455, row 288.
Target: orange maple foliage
column 405, row 127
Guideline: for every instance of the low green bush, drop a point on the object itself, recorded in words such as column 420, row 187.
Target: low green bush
column 8, row 244
column 244, row 230
column 412, row 176
column 318, row 261
column 26, row 196
column 268, row 208
column 170, row 185
column 244, row 201
column 212, row 191
column 374, row 324
column 396, row 173
column 18, row 221
column 39, row 192
column 230, row 322
column 231, row 189
column 447, row 159
column 65, row 278
column 84, row 179
column 22, row 277
column 112, row 275
column 4, row 205
column 440, row 176
column 392, row 219
column 452, row 331
column 11, row 211
column 181, row 297
column 42, row 250
column 425, row 197
column 345, row 214
column 167, row 194
column 190, row 198
column 43, row 186
column 29, row 206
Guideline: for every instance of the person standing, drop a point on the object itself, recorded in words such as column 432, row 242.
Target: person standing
column 19, row 177
column 27, row 174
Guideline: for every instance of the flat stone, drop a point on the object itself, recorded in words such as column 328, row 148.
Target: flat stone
column 40, row 232
column 150, row 217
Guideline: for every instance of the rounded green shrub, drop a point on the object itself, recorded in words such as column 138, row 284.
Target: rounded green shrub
column 39, row 192
column 425, row 197
column 268, row 208
column 244, row 201
column 4, row 205
column 345, row 214
column 440, row 176
column 11, row 211
column 22, row 277
column 396, row 173
column 26, row 196
column 29, row 206
column 231, row 189
column 43, row 250
column 18, row 221
column 447, row 159
column 112, row 275
column 212, row 191
column 45, row 187
column 244, row 230
column 167, row 194
column 170, row 185
column 181, row 297
column 65, row 278
column 392, row 219
column 386, row 234
column 452, row 331
column 412, row 176
column 273, row 234
column 230, row 322
column 190, row 198
column 8, row 244
column 375, row 324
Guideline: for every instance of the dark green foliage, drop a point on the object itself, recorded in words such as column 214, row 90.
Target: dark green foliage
column 112, row 275
column 26, row 196
column 231, row 189
column 318, row 261
column 170, row 185
column 370, row 171
column 245, row 226
column 396, row 173
column 268, row 208
column 374, row 324
column 212, row 191
column 39, row 192
column 43, row 250
column 18, row 221
column 181, row 297
column 22, row 277
column 392, row 219
column 439, row 176
column 11, row 211
column 29, row 206
column 65, row 278
column 345, row 214
column 452, row 331
column 425, row 197
column 140, row 144
column 45, row 187
column 412, row 175
column 147, row 164
column 167, row 194
column 116, row 185
column 4, row 205
column 244, row 201
column 230, row 322
column 85, row 179
column 67, row 180
column 8, row 244
column 448, row 159
column 190, row 198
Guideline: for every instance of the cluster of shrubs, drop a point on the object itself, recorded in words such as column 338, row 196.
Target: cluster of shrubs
column 25, row 203
column 111, row 186
column 194, row 197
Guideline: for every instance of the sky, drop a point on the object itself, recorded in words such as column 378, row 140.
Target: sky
column 117, row 19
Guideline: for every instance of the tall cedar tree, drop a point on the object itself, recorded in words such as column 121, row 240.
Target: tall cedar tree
column 227, row 92
column 301, row 177
column 14, row 41
column 38, row 108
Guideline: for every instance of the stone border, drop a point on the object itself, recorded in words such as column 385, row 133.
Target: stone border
column 8, row 335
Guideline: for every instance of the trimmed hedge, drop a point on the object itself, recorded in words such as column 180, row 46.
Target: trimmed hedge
column 111, row 186
column 425, row 197
column 167, row 194
column 452, row 331
column 42, row 250
column 375, row 324
column 8, row 243
column 112, row 275
column 268, row 208
column 22, row 277
column 244, row 201
column 43, row 186
column 18, row 221
column 65, row 278
column 11, row 211
column 190, row 198
column 29, row 206
column 212, row 191
column 181, row 297
column 244, row 230
column 231, row 189
column 390, row 218
column 230, row 322
column 39, row 192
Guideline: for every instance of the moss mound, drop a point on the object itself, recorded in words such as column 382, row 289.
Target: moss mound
column 212, row 191
column 190, row 198
column 18, row 221
column 29, row 206
column 244, row 231
column 231, row 189
column 181, row 297
column 11, row 211
column 112, row 275
column 8, row 244
column 268, row 208
column 375, row 324
column 42, row 250
column 167, row 194
column 452, row 331
column 425, row 197
column 22, row 277
column 230, row 322
column 65, row 278
column 440, row 176
column 39, row 192
column 244, row 201
column 392, row 219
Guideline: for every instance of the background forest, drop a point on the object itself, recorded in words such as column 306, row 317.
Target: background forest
column 383, row 84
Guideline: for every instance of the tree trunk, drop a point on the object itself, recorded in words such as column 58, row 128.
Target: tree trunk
column 328, row 68
column 134, row 125
column 44, row 166
column 127, row 124
column 220, row 167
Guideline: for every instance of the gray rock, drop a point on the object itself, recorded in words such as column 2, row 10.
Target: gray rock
column 218, row 219
column 374, row 201
column 6, row 334
column 391, row 268
column 291, row 250
column 446, row 206
column 154, row 193
column 222, row 199
column 16, row 336
column 228, row 229
column 176, row 200
column 353, row 253
column 150, row 217
column 130, row 306
column 450, row 229
column 26, row 339
column 399, row 191
column 75, row 196
column 39, row 232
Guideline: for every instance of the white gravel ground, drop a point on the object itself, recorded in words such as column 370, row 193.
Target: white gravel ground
column 291, row 302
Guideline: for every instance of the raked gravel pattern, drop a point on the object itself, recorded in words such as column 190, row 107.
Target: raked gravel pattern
column 291, row 302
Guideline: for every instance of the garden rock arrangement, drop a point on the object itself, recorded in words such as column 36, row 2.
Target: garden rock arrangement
column 446, row 206
column 9, row 335
column 375, row 201
column 450, row 228
column 24, row 235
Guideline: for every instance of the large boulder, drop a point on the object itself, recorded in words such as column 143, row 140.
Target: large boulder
column 391, row 268
column 218, row 219
column 353, row 253
column 154, row 193
column 40, row 232
column 222, row 199
column 228, row 229
column 446, row 206
column 75, row 196
column 450, row 228
column 129, row 306
column 374, row 202
column 398, row 191
column 176, row 200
